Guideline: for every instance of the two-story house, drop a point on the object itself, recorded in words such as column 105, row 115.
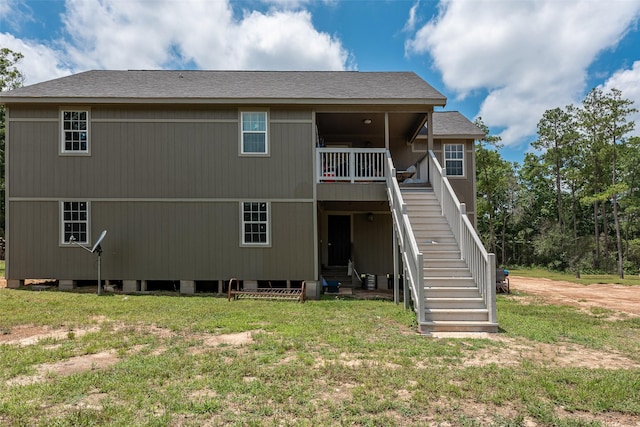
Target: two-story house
column 200, row 176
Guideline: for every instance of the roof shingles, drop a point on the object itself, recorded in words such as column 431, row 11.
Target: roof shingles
column 403, row 87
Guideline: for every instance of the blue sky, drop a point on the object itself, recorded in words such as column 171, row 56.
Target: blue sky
column 504, row 60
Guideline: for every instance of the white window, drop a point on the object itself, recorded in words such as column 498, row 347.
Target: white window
column 75, row 131
column 254, row 132
column 75, row 222
column 454, row 159
column 255, row 223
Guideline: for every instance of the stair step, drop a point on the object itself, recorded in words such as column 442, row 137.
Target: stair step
column 434, row 222
column 476, row 303
column 460, row 314
column 451, row 292
column 446, row 263
column 457, row 326
column 456, row 282
column 437, row 243
column 445, row 272
column 439, row 250
column 444, row 244
column 434, row 238
column 426, row 209
column 432, row 255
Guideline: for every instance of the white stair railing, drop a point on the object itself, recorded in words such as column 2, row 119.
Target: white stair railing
column 411, row 256
column 480, row 263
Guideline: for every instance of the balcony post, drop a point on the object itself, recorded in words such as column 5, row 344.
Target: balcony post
column 352, row 166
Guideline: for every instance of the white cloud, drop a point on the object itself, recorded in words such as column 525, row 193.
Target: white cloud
column 627, row 81
column 13, row 13
column 529, row 55
column 410, row 25
column 139, row 34
column 113, row 34
column 40, row 62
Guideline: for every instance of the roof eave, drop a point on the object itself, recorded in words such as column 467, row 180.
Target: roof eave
column 461, row 136
column 436, row 102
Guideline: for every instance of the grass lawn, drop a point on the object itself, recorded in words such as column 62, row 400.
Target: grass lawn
column 122, row 360
column 585, row 279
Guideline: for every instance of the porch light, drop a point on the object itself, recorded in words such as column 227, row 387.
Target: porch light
column 367, row 121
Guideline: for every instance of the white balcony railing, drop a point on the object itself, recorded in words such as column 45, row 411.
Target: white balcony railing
column 350, row 164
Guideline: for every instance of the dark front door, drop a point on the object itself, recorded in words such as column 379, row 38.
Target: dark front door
column 339, row 239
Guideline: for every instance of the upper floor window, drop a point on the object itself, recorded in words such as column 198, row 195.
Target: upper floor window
column 75, row 222
column 254, row 132
column 75, row 131
column 454, row 159
column 255, row 223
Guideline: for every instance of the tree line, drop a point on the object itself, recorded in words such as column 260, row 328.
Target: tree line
column 574, row 203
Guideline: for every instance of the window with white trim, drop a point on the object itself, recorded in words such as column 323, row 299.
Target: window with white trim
column 254, row 132
column 454, row 159
column 75, row 131
column 255, row 223
column 75, row 221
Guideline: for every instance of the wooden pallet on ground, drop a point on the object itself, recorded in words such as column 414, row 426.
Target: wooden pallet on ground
column 291, row 294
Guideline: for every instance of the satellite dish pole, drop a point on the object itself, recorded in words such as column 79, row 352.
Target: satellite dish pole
column 96, row 249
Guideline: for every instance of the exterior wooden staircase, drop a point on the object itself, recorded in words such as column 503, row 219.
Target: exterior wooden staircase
column 452, row 300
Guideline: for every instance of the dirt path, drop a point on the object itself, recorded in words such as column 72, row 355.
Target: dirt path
column 620, row 298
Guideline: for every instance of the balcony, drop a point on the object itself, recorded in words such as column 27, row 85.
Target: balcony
column 350, row 165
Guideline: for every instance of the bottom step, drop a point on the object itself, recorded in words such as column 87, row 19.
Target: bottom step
column 426, row 328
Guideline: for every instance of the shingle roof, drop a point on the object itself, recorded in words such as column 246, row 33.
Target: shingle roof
column 452, row 124
column 334, row 86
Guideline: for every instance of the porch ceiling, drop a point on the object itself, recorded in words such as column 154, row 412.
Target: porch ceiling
column 337, row 128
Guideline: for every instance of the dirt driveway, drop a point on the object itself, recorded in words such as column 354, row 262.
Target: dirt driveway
column 613, row 297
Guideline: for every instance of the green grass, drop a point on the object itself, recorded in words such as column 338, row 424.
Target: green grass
column 328, row 362
column 585, row 279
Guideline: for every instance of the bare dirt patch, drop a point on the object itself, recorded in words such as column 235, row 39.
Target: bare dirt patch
column 562, row 355
column 24, row 335
column 69, row 367
column 624, row 299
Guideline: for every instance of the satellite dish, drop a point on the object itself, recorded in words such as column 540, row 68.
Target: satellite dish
column 95, row 247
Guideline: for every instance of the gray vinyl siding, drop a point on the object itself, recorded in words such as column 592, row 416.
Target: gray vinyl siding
column 162, row 160
column 352, row 192
column 167, row 186
column 162, row 241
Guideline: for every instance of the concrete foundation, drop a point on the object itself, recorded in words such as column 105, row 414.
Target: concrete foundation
column 313, row 289
column 66, row 285
column 129, row 286
column 187, row 287
column 250, row 284
column 15, row 284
